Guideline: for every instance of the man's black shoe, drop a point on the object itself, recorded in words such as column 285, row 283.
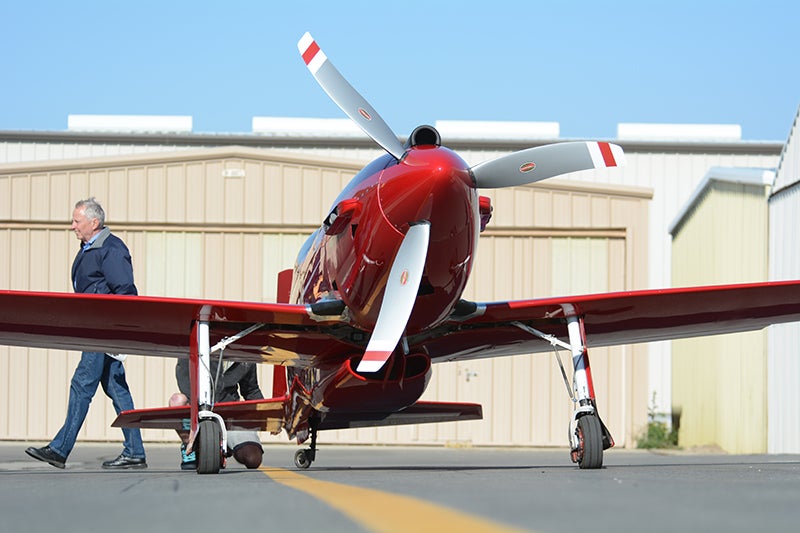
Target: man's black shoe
column 123, row 461
column 47, row 455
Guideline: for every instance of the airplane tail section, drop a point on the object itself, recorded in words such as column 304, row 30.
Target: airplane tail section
column 418, row 413
column 269, row 415
column 259, row 415
column 279, row 384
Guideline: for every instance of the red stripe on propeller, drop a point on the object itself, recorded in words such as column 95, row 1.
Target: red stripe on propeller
column 608, row 156
column 310, row 52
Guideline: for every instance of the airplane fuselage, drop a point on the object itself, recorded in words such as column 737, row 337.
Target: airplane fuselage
column 430, row 184
column 349, row 258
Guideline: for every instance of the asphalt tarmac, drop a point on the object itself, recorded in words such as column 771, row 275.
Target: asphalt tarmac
column 388, row 489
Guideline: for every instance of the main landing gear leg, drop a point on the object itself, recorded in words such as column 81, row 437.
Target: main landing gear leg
column 304, row 458
column 208, row 428
column 588, row 435
column 208, row 436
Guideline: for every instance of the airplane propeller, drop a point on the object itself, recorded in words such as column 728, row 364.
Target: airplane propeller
column 542, row 162
column 347, row 98
column 401, row 290
column 518, row 168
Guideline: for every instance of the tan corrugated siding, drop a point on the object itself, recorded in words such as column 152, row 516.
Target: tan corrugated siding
column 719, row 383
column 187, row 239
column 197, row 227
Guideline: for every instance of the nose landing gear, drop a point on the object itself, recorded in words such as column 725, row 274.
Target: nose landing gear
column 304, row 458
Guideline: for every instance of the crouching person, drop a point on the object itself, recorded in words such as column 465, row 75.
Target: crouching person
column 237, row 381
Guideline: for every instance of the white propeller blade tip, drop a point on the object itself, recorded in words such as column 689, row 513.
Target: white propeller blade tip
column 372, row 362
column 606, row 154
column 304, row 42
column 311, row 53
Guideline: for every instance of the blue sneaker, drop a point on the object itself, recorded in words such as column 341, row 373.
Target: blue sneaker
column 188, row 460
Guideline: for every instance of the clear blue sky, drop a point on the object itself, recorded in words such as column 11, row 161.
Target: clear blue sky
column 586, row 65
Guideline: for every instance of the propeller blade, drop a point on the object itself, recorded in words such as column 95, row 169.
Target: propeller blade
column 398, row 298
column 542, row 162
column 347, row 98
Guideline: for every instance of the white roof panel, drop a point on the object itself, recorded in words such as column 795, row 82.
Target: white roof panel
column 679, row 132
column 300, row 127
column 130, row 123
column 492, row 129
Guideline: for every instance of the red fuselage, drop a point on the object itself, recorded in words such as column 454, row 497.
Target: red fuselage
column 349, row 259
column 429, row 184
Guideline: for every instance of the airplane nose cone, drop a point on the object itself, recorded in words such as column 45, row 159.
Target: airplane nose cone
column 429, row 181
column 434, row 184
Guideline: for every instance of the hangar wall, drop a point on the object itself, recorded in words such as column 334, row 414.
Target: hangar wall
column 784, row 263
column 220, row 223
column 672, row 169
column 719, row 386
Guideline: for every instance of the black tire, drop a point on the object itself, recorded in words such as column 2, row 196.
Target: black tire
column 209, row 438
column 590, row 442
column 302, row 459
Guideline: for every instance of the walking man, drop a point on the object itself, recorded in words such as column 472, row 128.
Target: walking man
column 102, row 266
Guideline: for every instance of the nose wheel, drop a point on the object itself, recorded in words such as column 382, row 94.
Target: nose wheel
column 304, row 458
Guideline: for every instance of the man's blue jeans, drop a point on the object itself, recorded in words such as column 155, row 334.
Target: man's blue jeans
column 97, row 368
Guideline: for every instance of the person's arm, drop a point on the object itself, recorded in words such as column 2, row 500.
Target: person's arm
column 248, row 385
column 118, row 269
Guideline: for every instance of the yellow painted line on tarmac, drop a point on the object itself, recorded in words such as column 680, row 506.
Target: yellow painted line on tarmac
column 384, row 512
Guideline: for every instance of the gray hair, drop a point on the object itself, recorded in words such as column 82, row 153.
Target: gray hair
column 92, row 209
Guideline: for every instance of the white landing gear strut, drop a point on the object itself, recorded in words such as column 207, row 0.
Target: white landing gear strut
column 208, row 436
column 588, row 436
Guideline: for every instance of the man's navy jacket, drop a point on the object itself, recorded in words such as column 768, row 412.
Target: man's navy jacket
column 104, row 267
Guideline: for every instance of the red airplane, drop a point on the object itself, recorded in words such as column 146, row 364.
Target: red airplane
column 375, row 298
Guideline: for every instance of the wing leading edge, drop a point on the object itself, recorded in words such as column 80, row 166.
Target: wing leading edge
column 287, row 333
column 615, row 318
column 291, row 335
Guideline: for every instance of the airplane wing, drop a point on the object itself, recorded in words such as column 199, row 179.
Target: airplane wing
column 293, row 335
column 285, row 333
column 613, row 319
